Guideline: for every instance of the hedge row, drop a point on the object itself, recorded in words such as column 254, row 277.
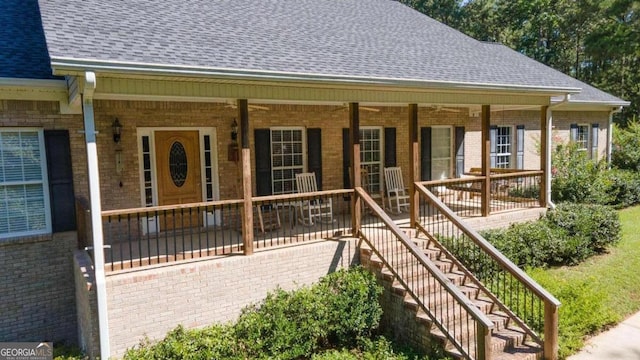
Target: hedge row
column 564, row 236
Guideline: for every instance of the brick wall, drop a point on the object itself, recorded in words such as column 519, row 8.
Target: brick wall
column 562, row 121
column 36, row 272
column 37, row 300
column 86, row 305
column 153, row 301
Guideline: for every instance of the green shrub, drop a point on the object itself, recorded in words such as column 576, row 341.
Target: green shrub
column 352, row 298
column 286, row 325
column 374, row 349
column 213, row 342
column 583, row 310
column 62, row 351
column 599, row 225
column 576, row 178
column 530, row 244
column 626, row 147
column 623, row 187
column 565, row 236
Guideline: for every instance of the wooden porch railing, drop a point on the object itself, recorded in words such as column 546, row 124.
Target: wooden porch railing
column 459, row 320
column 536, row 309
column 83, row 222
column 509, row 190
column 151, row 235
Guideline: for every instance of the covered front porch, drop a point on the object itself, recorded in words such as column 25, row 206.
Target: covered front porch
column 192, row 178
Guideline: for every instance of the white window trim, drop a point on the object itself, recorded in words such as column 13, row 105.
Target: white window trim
column 303, row 130
column 451, row 149
column 512, row 145
column 45, row 185
column 382, row 159
column 587, row 147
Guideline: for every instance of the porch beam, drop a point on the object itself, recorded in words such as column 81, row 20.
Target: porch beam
column 247, row 186
column 96, row 212
column 414, row 164
column 354, row 153
column 545, row 150
column 486, row 160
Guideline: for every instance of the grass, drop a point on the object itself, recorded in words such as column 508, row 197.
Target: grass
column 599, row 292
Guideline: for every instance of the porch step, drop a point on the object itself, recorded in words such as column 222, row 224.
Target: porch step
column 508, row 340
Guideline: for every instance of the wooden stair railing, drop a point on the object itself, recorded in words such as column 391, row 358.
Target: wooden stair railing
column 529, row 305
column 455, row 317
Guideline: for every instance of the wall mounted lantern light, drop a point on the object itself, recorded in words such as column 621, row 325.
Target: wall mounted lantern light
column 234, row 130
column 117, row 130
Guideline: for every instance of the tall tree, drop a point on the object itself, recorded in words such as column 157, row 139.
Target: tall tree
column 597, row 41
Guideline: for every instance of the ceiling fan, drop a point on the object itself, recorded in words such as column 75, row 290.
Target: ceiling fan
column 442, row 108
column 363, row 108
column 251, row 107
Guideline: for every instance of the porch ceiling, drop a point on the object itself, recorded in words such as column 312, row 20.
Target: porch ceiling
column 221, row 90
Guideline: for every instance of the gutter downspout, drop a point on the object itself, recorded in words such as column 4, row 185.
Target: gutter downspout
column 610, row 133
column 549, row 144
column 96, row 211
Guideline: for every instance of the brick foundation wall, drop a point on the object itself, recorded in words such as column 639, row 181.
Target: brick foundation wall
column 86, row 304
column 37, row 295
column 153, row 301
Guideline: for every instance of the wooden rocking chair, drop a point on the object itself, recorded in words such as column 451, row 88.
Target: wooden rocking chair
column 395, row 189
column 316, row 209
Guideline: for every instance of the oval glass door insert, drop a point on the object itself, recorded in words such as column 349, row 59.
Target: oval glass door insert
column 178, row 163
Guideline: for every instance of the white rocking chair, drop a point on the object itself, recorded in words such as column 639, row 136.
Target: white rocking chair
column 395, row 189
column 316, row 209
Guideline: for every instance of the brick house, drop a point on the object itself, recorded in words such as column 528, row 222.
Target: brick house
column 172, row 135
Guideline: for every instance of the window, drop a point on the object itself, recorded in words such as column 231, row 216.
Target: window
column 441, row 155
column 503, row 147
column 24, row 193
column 582, row 137
column 287, row 158
column 371, row 158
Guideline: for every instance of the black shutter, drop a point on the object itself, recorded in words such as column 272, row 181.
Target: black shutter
column 573, row 132
column 263, row 161
column 459, row 139
column 346, row 159
column 520, row 147
column 594, row 140
column 389, row 147
column 314, row 154
column 60, row 174
column 493, row 137
column 425, row 153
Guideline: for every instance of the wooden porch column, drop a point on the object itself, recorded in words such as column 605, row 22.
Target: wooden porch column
column 550, row 351
column 486, row 160
column 354, row 139
column 414, row 165
column 544, row 152
column 247, row 223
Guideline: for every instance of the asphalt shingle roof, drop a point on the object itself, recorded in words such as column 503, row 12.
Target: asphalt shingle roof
column 23, row 49
column 352, row 38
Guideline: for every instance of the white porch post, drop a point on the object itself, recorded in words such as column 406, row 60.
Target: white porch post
column 548, row 145
column 609, row 137
column 96, row 211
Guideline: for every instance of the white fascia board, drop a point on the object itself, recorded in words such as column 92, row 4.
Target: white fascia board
column 591, row 105
column 72, row 66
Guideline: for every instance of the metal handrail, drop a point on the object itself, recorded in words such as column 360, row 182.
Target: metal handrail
column 551, row 303
column 488, row 248
column 482, row 319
